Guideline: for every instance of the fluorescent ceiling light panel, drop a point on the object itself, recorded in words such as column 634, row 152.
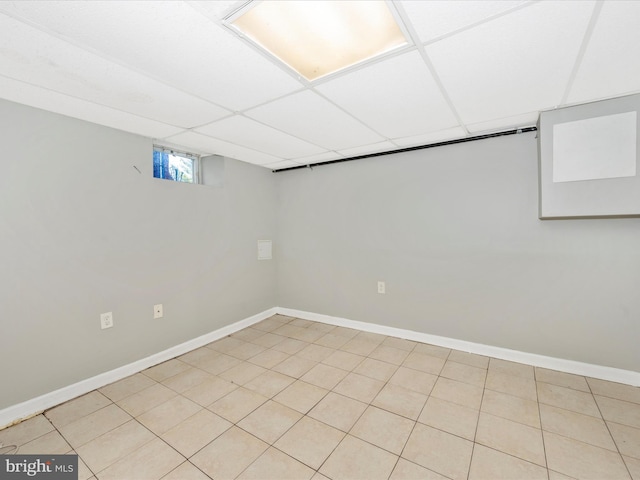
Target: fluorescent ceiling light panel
column 316, row 38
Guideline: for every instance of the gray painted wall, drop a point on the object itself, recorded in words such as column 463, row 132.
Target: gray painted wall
column 454, row 232
column 82, row 232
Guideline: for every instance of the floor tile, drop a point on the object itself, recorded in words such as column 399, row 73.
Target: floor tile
column 323, row 327
column 338, row 411
column 268, row 340
column 410, row 379
column 332, row 340
column 269, row 358
column 220, row 364
column 355, row 459
column 376, row 369
column 151, row 461
column 270, row 421
column 269, row 383
column 553, row 475
column 399, row 343
column 432, row 350
column 463, row 394
column 450, row 417
column 371, row 337
column 275, row 464
column 471, row 359
column 127, row 386
column 319, row 476
column 464, row 373
column 300, row 322
column 229, row 454
column 512, row 408
column 246, row 351
column 247, row 334
column 568, row 399
column 210, row 390
column 294, row 366
column 290, row 346
column 316, row 353
column 579, row 460
column 242, row 373
column 510, row 437
column 165, row 370
column 619, row 411
column 186, row 380
column 359, row 387
column 169, row 414
column 492, row 464
column 511, row 368
column 383, row 429
column 186, row 471
column 301, row 396
column 310, row 441
column 199, row 356
column 343, row 360
column 439, row 451
column 512, row 384
column 562, row 379
column 618, row 391
column 93, row 425
column 83, row 471
column 359, row 347
column 107, row 449
column 401, row 401
column 268, row 325
column 237, row 404
column 424, row 363
column 149, row 398
column 76, row 408
column 626, row 438
column 633, row 464
column 406, row 470
column 226, row 344
column 574, row 425
column 389, row 354
column 26, row 431
column 324, row 376
column 51, row 442
column 195, row 432
column 345, row 332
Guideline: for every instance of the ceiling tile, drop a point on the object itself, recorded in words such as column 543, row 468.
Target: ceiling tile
column 213, row 146
column 38, row 97
column 524, row 120
column 365, row 149
column 436, row 18
column 321, row 157
column 282, row 164
column 396, row 97
column 518, row 63
column 29, row 55
column 314, row 119
column 428, row 138
column 610, row 66
column 218, row 9
column 173, row 42
column 244, row 131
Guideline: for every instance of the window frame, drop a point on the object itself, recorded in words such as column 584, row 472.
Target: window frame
column 194, row 157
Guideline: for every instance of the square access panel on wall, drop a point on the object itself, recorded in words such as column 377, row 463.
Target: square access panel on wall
column 589, row 160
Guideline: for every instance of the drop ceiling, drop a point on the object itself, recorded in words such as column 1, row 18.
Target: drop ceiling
column 175, row 72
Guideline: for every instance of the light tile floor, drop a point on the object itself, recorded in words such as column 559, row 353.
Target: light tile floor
column 289, row 398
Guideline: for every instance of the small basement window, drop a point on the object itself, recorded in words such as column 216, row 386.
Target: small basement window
column 169, row 164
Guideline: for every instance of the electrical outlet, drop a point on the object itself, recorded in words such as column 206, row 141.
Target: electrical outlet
column 381, row 287
column 157, row 311
column 106, row 320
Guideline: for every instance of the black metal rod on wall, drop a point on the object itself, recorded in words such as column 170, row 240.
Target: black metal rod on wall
column 411, row 149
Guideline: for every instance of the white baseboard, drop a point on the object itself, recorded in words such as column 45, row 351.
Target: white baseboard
column 29, row 408
column 569, row 366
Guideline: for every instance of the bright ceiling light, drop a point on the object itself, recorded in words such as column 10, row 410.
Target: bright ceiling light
column 316, row 38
